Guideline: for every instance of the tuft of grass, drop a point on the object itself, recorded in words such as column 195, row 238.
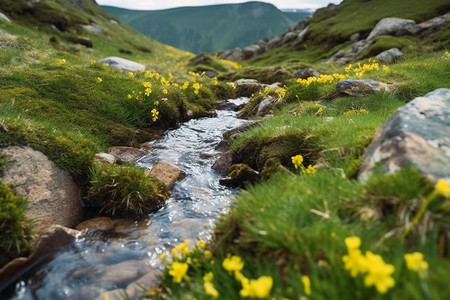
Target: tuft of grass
column 16, row 229
column 125, row 190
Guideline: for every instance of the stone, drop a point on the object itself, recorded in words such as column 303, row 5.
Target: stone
column 264, row 106
column 223, row 163
column 96, row 224
column 104, row 158
column 247, row 87
column 124, row 154
column 53, row 197
column 227, row 135
column 433, row 25
column 306, row 73
column 355, row 37
column 389, row 26
column 51, row 241
column 122, row 64
column 3, row 17
column 274, row 43
column 355, row 87
column 390, row 56
column 134, row 290
column 167, row 173
column 117, row 294
column 288, row 37
column 415, row 135
column 123, row 272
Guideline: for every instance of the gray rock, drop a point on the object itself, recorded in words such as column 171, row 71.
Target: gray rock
column 53, row 197
column 51, row 241
column 126, row 154
column 353, row 87
column 306, row 73
column 389, row 26
column 102, row 158
column 264, row 106
column 134, row 290
column 3, row 17
column 390, row 56
column 223, row 163
column 94, row 28
column 167, row 173
column 227, row 135
column 355, row 37
column 427, row 28
column 418, row 135
column 274, row 43
column 122, row 64
column 288, row 37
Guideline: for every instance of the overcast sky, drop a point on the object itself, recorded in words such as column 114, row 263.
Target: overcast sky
column 158, row 4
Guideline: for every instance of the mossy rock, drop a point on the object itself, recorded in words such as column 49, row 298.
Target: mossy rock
column 273, row 166
column 386, row 42
column 125, row 190
column 240, row 175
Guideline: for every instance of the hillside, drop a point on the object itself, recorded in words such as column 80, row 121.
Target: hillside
column 210, row 28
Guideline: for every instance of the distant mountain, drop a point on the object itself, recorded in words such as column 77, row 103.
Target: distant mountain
column 210, row 28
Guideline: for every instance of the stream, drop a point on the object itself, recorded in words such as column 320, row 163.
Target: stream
column 100, row 261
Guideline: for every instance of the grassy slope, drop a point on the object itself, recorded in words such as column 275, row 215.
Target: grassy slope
column 210, row 28
column 294, row 225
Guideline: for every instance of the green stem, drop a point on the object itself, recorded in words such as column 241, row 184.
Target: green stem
column 420, row 213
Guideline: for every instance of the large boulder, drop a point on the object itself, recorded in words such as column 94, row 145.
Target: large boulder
column 53, row 197
column 390, row 26
column 416, row 135
column 167, row 173
column 122, row 64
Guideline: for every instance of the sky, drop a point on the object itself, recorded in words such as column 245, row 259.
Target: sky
column 158, row 4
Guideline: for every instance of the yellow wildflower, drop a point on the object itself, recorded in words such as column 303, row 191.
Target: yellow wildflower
column 233, row 263
column 156, row 103
column 240, row 277
column 297, row 160
column 148, row 91
column 379, row 273
column 442, row 187
column 99, row 80
column 207, row 253
column 105, row 296
column 129, row 96
column 174, row 252
column 355, row 262
column 196, row 87
column 294, row 113
column 163, row 255
column 415, row 262
column 319, row 111
column 258, row 288
column 60, row 62
column 185, row 85
column 131, row 74
column 208, row 277
column 306, row 285
column 447, row 54
column 92, row 61
column 201, row 244
column 178, row 271
column 183, row 247
column 231, row 84
column 147, row 84
column 352, row 243
column 165, row 92
column 210, row 290
column 385, row 68
column 310, row 170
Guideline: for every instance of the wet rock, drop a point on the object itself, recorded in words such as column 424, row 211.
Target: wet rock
column 126, row 154
column 123, row 272
column 390, row 26
column 122, row 63
column 51, row 241
column 104, row 158
column 53, row 197
column 390, row 56
column 416, row 135
column 222, row 146
column 97, row 224
column 3, row 17
column 227, row 135
column 306, row 73
column 134, row 290
column 265, row 106
column 167, row 173
column 118, row 294
column 240, row 175
column 353, row 87
column 223, row 163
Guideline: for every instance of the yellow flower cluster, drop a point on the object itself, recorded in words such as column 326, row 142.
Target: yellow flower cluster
column 196, row 87
column 99, row 80
column 178, row 271
column 155, row 115
column 447, row 54
column 377, row 272
column 194, row 74
column 233, row 64
column 297, row 161
column 60, row 61
column 356, row 112
column 323, row 78
column 416, row 263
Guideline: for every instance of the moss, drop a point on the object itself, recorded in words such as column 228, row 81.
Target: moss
column 271, row 167
column 386, row 42
column 125, row 190
column 17, row 231
column 240, row 175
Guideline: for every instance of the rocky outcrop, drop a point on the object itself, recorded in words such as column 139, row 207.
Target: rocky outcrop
column 122, row 64
column 53, row 197
column 51, row 241
column 167, row 173
column 390, row 56
column 306, row 73
column 354, row 87
column 416, row 135
column 391, row 26
column 94, row 28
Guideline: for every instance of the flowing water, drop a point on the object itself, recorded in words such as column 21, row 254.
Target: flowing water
column 99, row 262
